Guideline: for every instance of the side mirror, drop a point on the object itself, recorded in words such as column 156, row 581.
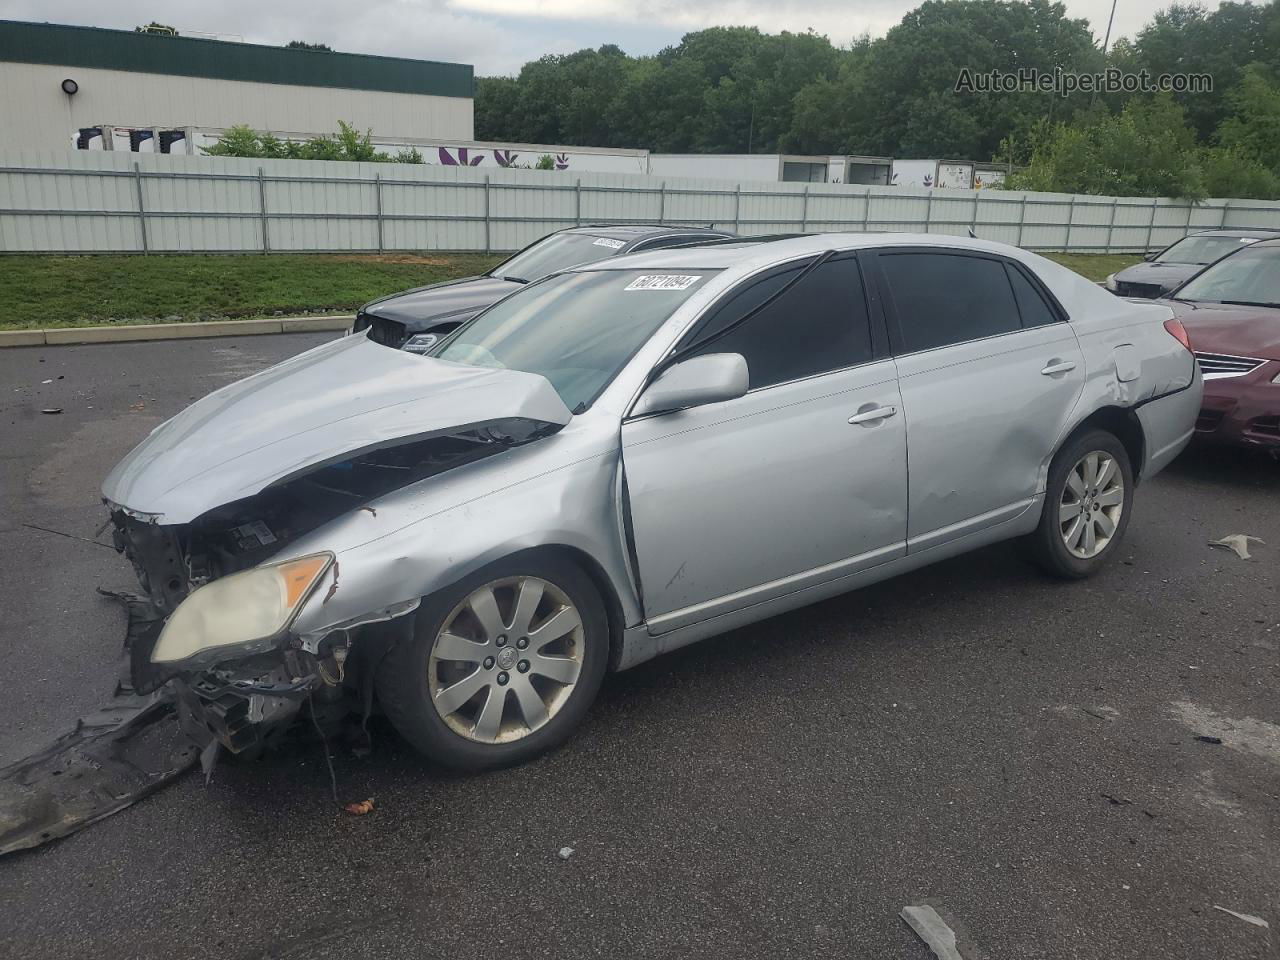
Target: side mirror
column 707, row 379
column 1150, row 255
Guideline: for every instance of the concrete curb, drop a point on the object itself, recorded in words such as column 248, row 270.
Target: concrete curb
column 58, row 336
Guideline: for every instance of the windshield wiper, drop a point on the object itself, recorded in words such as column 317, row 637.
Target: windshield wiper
column 1249, row 303
column 514, row 279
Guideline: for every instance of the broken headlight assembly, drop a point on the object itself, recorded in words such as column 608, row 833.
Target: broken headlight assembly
column 249, row 609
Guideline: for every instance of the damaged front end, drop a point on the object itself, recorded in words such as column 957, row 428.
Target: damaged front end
column 254, row 682
column 209, row 508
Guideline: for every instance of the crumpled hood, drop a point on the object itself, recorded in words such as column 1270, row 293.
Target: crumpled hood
column 322, row 406
column 1231, row 329
column 422, row 307
column 1166, row 275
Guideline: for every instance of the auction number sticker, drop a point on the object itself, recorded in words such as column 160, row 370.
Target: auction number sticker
column 611, row 244
column 662, row 281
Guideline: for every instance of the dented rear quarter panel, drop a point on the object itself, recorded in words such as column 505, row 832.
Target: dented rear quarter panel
column 1135, row 364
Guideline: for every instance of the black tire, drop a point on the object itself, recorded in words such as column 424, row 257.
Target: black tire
column 1046, row 545
column 402, row 679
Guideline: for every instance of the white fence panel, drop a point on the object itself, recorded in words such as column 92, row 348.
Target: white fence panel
column 80, row 202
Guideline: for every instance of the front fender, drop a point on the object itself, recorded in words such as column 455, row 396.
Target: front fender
column 421, row 539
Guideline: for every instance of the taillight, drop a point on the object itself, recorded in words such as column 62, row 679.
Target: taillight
column 1178, row 331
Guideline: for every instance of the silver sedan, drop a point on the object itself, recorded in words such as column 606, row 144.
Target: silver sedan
column 625, row 458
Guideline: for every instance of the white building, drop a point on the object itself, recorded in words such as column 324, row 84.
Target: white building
column 865, row 171
column 786, row 168
column 112, row 89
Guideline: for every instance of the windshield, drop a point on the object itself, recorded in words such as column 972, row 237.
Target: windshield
column 576, row 329
column 560, row 251
column 1202, row 250
column 1250, row 276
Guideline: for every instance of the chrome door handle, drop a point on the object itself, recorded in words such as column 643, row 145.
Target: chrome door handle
column 874, row 414
column 1058, row 366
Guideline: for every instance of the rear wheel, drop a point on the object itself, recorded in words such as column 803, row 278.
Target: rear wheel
column 1087, row 506
column 502, row 666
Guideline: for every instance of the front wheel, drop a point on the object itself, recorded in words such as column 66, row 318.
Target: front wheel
column 1087, row 506
column 501, row 667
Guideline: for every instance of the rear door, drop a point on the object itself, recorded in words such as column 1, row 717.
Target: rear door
column 800, row 481
column 989, row 371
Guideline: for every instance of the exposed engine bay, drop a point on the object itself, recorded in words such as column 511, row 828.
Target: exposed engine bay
column 171, row 561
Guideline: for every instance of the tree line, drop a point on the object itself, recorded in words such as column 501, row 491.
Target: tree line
column 738, row 90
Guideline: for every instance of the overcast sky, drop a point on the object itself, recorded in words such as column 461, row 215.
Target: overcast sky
column 497, row 36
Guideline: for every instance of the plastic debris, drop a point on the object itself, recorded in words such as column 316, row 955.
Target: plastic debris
column 565, row 853
column 209, row 759
column 1246, row 917
column 51, row 410
column 360, row 808
column 112, row 759
column 1213, row 740
column 930, row 928
column 1239, row 542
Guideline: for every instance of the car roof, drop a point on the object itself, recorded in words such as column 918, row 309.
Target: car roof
column 1262, row 233
column 753, row 253
column 637, row 231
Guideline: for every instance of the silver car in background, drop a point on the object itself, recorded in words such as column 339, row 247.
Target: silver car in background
column 622, row 459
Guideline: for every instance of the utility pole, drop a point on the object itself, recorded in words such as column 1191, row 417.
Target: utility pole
column 1106, row 43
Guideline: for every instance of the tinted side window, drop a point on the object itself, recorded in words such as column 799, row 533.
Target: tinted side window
column 945, row 298
column 816, row 326
column 1035, row 312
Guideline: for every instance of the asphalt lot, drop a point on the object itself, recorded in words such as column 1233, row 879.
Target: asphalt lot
column 1017, row 751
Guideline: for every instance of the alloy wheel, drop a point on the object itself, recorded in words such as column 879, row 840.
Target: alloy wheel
column 1092, row 501
column 506, row 659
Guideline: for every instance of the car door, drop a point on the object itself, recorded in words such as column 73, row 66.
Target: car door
column 801, row 480
column 989, row 371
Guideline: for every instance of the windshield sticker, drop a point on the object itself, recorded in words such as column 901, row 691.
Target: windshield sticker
column 611, row 244
column 662, row 281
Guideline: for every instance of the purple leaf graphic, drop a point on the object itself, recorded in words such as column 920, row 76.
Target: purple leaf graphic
column 463, row 160
column 562, row 161
column 928, row 180
column 505, row 158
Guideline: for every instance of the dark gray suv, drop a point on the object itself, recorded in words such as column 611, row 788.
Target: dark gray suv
column 415, row 320
column 1163, row 271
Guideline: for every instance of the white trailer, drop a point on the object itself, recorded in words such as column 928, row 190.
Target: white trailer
column 956, row 174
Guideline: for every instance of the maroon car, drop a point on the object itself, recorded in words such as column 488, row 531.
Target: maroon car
column 1231, row 311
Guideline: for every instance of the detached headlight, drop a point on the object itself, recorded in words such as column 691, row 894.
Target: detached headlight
column 249, row 606
column 1110, row 283
column 421, row 342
